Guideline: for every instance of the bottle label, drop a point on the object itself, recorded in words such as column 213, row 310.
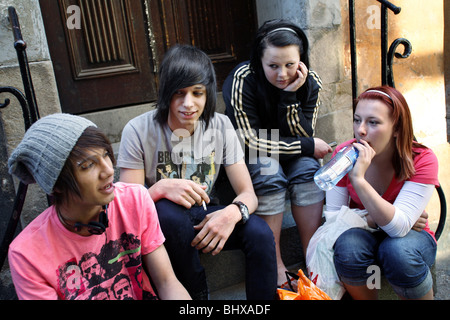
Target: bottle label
column 341, row 165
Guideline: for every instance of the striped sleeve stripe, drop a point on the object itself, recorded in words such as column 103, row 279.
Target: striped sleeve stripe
column 319, row 102
column 246, row 132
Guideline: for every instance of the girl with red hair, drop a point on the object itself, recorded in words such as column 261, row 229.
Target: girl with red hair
column 393, row 179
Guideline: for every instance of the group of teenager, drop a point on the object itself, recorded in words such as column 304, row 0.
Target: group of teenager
column 141, row 237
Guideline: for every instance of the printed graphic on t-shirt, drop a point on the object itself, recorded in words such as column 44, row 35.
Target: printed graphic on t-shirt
column 187, row 167
column 115, row 273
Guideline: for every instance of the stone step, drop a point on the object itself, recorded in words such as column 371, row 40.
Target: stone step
column 237, row 291
column 225, row 272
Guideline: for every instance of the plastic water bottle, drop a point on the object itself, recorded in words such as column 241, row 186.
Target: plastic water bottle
column 331, row 173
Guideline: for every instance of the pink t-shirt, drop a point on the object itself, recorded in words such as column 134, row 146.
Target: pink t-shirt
column 49, row 262
column 425, row 164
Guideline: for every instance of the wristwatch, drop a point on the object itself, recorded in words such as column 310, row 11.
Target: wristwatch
column 244, row 211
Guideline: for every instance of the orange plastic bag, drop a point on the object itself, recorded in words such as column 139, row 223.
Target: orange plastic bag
column 306, row 290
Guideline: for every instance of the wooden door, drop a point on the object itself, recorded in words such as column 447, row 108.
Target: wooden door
column 105, row 62
column 224, row 29
column 112, row 59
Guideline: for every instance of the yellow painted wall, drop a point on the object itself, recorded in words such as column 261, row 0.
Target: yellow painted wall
column 421, row 76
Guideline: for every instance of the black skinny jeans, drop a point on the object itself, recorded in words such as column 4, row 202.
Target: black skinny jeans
column 254, row 238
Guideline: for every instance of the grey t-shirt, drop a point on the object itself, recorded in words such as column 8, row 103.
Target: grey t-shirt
column 155, row 148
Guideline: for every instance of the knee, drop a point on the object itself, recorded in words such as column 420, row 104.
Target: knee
column 267, row 175
column 303, row 170
column 395, row 255
column 172, row 216
column 349, row 248
column 164, row 204
column 390, row 248
column 405, row 268
column 352, row 254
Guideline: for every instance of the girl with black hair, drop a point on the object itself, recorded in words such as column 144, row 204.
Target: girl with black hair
column 273, row 100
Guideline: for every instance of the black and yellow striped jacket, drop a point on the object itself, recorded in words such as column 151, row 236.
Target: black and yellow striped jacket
column 289, row 125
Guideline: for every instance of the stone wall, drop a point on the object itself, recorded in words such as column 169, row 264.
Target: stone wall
column 43, row 80
column 40, row 64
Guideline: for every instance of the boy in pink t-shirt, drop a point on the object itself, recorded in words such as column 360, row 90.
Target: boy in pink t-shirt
column 99, row 239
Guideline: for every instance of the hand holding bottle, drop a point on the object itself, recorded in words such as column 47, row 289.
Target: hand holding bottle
column 332, row 172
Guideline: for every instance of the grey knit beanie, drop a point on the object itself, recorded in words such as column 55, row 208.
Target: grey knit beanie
column 44, row 149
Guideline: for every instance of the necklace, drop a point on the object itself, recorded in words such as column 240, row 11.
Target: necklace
column 64, row 221
column 94, row 227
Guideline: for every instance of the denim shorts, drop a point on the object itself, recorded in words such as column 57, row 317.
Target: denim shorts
column 405, row 261
column 274, row 181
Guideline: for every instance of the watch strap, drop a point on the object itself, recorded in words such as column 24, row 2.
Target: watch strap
column 244, row 211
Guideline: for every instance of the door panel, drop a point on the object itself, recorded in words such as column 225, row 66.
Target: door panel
column 224, row 29
column 105, row 40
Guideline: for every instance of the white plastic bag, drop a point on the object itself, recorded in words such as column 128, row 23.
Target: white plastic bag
column 319, row 254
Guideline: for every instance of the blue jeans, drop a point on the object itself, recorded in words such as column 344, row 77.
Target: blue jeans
column 273, row 180
column 405, row 261
column 254, row 238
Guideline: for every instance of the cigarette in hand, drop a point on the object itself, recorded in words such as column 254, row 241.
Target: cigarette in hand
column 204, row 205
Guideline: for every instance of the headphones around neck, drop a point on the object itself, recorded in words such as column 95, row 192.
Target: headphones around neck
column 95, row 227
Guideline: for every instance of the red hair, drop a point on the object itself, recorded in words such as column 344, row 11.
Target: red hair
column 403, row 159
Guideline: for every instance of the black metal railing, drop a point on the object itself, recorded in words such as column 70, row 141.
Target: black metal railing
column 30, row 113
